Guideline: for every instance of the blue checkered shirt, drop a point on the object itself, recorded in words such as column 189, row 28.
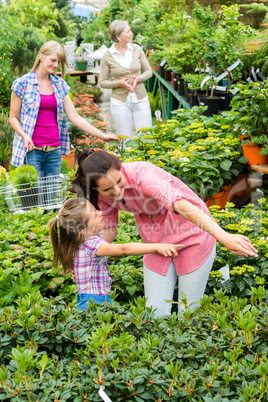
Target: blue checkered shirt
column 27, row 89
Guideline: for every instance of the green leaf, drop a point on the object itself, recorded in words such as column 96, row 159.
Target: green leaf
column 226, row 164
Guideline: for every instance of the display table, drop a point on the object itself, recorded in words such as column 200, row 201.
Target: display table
column 260, row 168
column 82, row 74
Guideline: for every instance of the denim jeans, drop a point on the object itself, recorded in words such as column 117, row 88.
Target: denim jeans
column 84, row 298
column 47, row 164
column 159, row 288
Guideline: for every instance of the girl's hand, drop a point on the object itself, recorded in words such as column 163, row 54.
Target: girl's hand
column 28, row 143
column 123, row 83
column 167, row 250
column 239, row 244
column 135, row 81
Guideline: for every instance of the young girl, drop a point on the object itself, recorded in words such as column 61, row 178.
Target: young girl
column 78, row 245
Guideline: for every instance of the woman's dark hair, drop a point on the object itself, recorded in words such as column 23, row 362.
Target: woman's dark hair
column 92, row 165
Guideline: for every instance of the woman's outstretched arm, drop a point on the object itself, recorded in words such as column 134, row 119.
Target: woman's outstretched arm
column 81, row 123
column 236, row 243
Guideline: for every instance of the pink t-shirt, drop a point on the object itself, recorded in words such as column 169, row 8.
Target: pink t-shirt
column 46, row 131
column 149, row 194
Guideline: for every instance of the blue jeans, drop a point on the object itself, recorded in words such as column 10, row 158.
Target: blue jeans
column 47, row 164
column 83, row 299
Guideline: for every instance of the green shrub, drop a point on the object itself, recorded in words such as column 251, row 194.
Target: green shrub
column 51, row 351
column 22, row 176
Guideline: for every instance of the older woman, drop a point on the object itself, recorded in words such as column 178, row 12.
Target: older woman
column 128, row 67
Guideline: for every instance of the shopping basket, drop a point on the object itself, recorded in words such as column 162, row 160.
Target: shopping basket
column 47, row 192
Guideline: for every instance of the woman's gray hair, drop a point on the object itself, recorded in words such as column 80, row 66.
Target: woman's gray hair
column 116, row 28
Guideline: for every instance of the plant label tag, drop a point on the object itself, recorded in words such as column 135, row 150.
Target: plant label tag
column 103, row 394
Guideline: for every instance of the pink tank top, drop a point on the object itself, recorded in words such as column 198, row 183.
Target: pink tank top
column 46, row 131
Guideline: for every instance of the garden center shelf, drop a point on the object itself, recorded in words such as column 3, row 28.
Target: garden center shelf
column 260, row 168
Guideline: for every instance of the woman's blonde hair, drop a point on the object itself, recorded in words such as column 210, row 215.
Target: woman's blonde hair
column 65, row 231
column 47, row 49
column 116, row 28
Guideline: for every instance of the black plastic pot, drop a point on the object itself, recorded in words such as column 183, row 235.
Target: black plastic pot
column 175, row 83
column 193, row 100
column 226, row 98
column 162, row 71
column 213, row 104
column 167, row 75
column 181, row 87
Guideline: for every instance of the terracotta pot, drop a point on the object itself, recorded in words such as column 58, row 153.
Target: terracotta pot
column 69, row 158
column 226, row 196
column 252, row 152
column 218, row 199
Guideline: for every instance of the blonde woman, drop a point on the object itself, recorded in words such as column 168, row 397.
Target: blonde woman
column 128, row 68
column 39, row 102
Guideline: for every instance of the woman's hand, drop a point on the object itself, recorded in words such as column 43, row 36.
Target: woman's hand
column 239, row 244
column 110, row 137
column 28, row 143
column 123, row 83
column 167, row 250
column 135, row 81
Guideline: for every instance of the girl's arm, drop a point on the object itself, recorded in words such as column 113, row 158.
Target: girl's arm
column 235, row 243
column 15, row 106
column 167, row 250
column 81, row 123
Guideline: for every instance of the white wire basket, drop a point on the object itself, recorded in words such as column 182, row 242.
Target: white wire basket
column 48, row 193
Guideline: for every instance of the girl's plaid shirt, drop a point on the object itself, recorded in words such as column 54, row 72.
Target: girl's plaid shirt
column 27, row 88
column 91, row 271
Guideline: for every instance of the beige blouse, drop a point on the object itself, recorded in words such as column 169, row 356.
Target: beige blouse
column 139, row 67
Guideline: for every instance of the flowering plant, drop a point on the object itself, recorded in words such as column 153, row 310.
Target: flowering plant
column 249, row 272
column 88, row 109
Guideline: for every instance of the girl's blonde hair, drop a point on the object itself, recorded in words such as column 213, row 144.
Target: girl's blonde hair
column 65, row 231
column 47, row 49
column 116, row 28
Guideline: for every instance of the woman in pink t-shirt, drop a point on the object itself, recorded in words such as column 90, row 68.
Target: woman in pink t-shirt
column 165, row 211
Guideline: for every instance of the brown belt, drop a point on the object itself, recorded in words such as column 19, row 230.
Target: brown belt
column 46, row 148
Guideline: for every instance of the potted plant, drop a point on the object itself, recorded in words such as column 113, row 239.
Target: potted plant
column 24, row 181
column 249, row 108
column 81, row 63
column 194, row 84
column 212, row 58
